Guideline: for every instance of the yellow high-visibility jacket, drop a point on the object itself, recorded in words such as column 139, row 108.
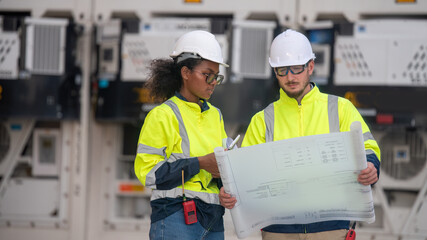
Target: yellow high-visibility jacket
column 172, row 136
column 314, row 116
column 318, row 113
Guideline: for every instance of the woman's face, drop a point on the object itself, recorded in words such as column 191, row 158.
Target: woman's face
column 194, row 85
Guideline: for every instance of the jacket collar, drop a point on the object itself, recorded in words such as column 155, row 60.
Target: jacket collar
column 309, row 97
column 204, row 106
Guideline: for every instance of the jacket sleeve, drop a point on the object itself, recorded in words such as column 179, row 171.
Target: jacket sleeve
column 255, row 134
column 348, row 114
column 157, row 163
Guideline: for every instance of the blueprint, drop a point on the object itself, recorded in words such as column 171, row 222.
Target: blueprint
column 297, row 181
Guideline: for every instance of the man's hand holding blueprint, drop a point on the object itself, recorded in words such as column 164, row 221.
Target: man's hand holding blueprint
column 299, row 180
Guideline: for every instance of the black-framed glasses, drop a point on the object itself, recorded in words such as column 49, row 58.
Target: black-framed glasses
column 210, row 77
column 297, row 69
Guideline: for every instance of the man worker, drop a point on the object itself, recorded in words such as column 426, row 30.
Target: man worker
column 303, row 110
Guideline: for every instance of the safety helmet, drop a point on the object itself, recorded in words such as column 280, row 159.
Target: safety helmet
column 290, row 48
column 198, row 44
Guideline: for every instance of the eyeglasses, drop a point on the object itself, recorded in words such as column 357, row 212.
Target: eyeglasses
column 297, row 69
column 210, row 77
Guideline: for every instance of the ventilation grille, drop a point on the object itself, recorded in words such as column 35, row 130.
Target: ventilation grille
column 253, row 54
column 47, row 49
column 403, row 154
column 9, row 54
column 45, row 45
column 354, row 60
column 416, row 70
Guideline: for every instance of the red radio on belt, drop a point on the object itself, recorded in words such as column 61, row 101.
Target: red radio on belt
column 190, row 215
column 351, row 234
column 189, row 212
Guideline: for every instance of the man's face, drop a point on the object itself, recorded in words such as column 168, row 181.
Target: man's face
column 293, row 84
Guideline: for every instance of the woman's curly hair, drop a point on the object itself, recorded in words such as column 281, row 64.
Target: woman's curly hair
column 165, row 77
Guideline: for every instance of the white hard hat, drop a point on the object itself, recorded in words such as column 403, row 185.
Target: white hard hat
column 290, row 48
column 201, row 43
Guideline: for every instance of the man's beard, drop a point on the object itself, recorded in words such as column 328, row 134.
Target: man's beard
column 298, row 94
column 294, row 95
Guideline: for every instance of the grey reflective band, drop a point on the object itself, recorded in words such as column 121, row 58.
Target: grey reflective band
column 368, row 136
column 185, row 144
column 220, row 114
column 142, row 148
column 269, row 122
column 150, row 179
column 369, row 151
column 334, row 121
column 211, row 198
column 159, row 151
column 175, row 156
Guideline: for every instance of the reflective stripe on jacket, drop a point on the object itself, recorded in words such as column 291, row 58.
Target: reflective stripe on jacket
column 173, row 135
column 318, row 113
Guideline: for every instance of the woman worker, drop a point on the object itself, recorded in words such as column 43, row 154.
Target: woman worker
column 177, row 140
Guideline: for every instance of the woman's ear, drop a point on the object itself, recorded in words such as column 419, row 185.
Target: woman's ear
column 185, row 73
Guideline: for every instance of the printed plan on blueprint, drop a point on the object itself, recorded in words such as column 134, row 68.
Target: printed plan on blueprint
column 299, row 180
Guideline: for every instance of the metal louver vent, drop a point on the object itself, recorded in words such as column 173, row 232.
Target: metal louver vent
column 9, row 54
column 403, row 154
column 251, row 45
column 253, row 55
column 45, row 46
column 354, row 60
column 47, row 50
column 416, row 69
